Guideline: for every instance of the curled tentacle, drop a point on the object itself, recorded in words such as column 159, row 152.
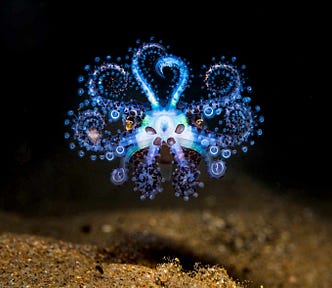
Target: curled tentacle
column 88, row 133
column 227, row 115
column 181, row 84
column 105, row 79
column 140, row 71
column 223, row 80
column 119, row 176
column 93, row 129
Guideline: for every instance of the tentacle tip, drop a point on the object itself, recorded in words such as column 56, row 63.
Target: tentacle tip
column 118, row 176
column 217, row 169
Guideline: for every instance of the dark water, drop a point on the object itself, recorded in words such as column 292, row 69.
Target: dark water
column 46, row 46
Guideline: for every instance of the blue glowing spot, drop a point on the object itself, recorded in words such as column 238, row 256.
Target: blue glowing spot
column 80, row 79
column 226, row 153
column 208, row 112
column 70, row 113
column 214, row 151
column 109, row 156
column 72, row 146
column 115, row 115
column 80, row 91
column 205, row 142
column 120, row 151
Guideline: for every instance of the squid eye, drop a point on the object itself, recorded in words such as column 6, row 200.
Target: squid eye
column 129, row 125
column 130, row 122
column 133, row 121
column 199, row 122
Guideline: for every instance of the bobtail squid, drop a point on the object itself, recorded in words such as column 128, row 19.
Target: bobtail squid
column 134, row 110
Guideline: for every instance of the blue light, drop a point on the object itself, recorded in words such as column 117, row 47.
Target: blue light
column 112, row 122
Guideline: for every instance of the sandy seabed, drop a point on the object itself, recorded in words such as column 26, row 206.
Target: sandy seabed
column 237, row 233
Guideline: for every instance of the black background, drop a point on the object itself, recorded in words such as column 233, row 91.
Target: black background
column 285, row 49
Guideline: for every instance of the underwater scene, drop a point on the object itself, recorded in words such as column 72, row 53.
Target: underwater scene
column 163, row 148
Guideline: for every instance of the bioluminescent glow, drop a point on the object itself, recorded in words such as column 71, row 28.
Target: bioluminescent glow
column 215, row 127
